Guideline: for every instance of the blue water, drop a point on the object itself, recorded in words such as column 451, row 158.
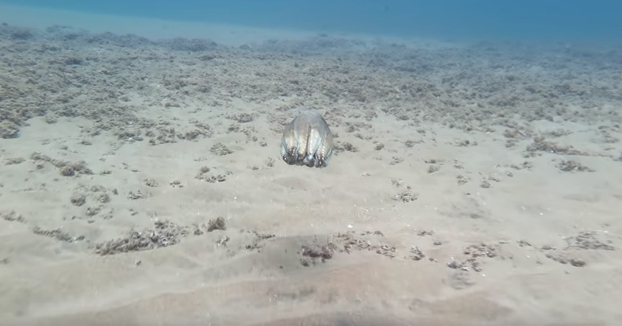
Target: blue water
column 524, row 19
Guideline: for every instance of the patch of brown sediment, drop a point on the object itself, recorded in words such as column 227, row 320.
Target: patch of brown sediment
column 358, row 318
column 363, row 287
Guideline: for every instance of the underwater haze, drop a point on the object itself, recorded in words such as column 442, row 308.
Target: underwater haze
column 283, row 163
column 448, row 19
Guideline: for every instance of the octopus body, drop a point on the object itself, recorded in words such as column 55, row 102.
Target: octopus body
column 307, row 140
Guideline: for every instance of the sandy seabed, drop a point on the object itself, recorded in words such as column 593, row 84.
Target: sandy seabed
column 473, row 184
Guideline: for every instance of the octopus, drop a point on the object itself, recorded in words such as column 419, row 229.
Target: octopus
column 307, row 140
